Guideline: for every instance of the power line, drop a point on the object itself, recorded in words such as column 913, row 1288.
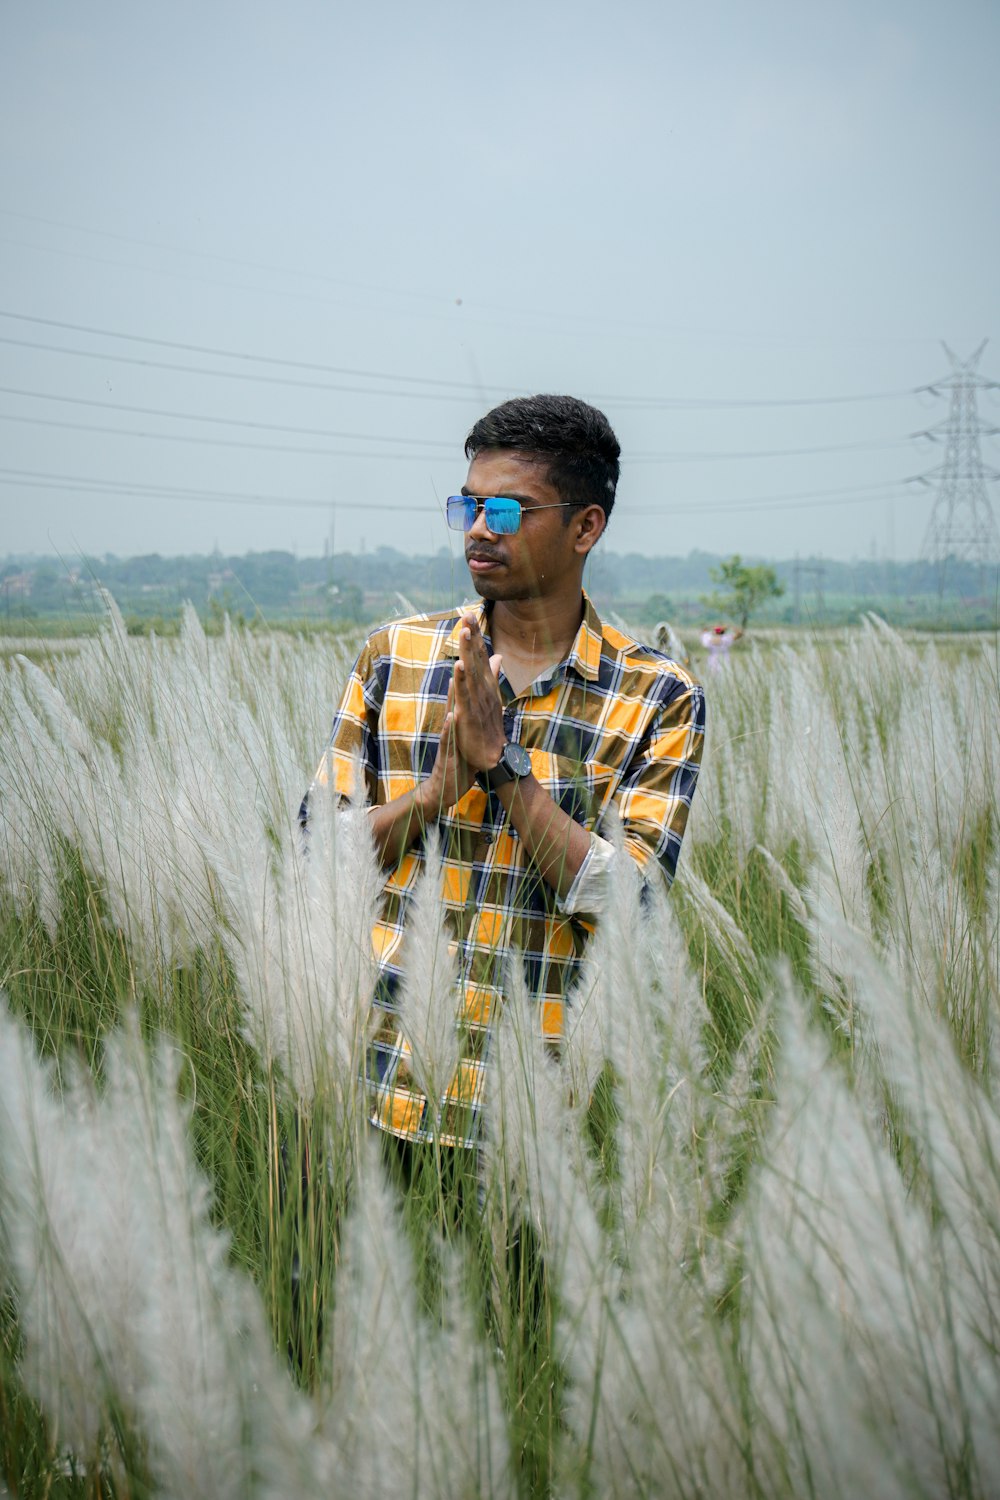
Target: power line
column 809, row 499
column 707, row 456
column 160, row 364
column 633, row 402
column 803, row 499
column 705, row 403
column 445, row 301
column 196, row 416
column 231, row 260
column 704, row 456
column 121, row 490
column 311, row 297
column 208, row 442
column 260, row 359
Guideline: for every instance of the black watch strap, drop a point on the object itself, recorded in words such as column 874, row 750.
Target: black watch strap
column 514, row 763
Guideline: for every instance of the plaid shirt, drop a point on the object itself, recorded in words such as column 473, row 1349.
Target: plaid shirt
column 615, row 724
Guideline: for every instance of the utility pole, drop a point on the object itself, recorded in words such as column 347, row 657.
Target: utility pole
column 818, row 571
column 962, row 527
column 815, row 571
column 797, row 590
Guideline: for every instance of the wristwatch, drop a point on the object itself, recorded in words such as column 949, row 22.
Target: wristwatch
column 514, row 763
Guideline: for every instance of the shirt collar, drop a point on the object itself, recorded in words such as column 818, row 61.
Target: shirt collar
column 479, row 610
column 584, row 655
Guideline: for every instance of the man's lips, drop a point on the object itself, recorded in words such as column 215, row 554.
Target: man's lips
column 480, row 560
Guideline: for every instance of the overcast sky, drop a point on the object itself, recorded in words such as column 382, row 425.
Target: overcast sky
column 256, row 255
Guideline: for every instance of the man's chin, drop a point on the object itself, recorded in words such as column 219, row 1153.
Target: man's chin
column 494, row 591
column 486, row 585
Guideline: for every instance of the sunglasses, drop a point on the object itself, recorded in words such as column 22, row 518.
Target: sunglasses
column 503, row 515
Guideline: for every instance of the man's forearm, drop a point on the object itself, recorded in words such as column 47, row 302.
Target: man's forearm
column 556, row 843
column 396, row 824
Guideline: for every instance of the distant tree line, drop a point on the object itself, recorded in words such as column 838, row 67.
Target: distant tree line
column 356, row 588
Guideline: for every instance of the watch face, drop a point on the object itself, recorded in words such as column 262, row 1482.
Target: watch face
column 516, row 759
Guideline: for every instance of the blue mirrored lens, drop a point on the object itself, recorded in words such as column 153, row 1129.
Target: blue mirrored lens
column 503, row 516
column 461, row 511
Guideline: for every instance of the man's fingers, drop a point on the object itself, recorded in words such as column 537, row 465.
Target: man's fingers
column 469, row 656
column 460, row 687
column 496, row 663
column 472, row 647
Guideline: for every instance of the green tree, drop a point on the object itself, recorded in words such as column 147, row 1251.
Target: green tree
column 741, row 588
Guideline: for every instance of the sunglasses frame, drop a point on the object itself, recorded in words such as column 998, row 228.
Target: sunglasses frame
column 483, row 503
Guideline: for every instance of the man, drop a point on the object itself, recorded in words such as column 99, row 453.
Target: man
column 512, row 728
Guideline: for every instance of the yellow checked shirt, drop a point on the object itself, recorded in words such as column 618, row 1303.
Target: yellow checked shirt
column 616, row 724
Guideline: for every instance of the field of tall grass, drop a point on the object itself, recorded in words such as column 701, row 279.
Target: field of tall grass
column 742, row 1238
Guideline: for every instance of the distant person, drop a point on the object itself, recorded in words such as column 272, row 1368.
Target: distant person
column 511, row 728
column 717, row 642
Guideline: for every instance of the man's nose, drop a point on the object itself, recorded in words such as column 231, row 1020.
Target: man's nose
column 479, row 527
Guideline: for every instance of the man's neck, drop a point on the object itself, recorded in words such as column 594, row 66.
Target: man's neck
column 536, row 630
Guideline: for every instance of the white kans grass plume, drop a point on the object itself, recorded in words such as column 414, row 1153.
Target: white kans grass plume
column 652, row 1401
column 653, row 1019
column 427, row 999
column 31, row 849
column 75, row 1296
column 298, row 935
column 785, row 885
column 954, row 1120
column 537, row 1187
column 718, row 922
column 412, row 1406
column 832, row 1330
column 145, row 759
column 534, row 1155
column 762, row 1281
column 871, row 1306
column 125, row 1299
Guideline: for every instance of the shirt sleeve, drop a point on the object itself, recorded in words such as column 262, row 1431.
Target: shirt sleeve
column 652, row 802
column 353, row 747
column 653, row 799
column 589, row 891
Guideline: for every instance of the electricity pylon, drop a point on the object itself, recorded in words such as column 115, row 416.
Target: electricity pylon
column 962, row 527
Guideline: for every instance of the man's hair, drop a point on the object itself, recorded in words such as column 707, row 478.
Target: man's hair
column 575, row 440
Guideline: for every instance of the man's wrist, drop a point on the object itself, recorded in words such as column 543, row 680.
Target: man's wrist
column 513, row 763
column 428, row 800
column 519, row 787
column 493, row 757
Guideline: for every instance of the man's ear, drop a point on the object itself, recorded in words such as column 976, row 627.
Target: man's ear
column 588, row 525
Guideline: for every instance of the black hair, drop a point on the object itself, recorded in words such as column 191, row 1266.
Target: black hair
column 575, row 440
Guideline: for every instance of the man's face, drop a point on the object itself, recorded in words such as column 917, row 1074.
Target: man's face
column 540, row 558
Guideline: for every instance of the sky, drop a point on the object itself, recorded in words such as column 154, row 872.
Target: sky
column 262, row 267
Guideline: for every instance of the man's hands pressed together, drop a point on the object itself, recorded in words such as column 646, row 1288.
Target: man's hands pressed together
column 472, row 740
column 478, row 715
column 473, row 724
column 451, row 775
column 473, row 728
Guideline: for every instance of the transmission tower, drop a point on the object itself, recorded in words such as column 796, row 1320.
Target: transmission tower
column 962, row 527
column 816, row 571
